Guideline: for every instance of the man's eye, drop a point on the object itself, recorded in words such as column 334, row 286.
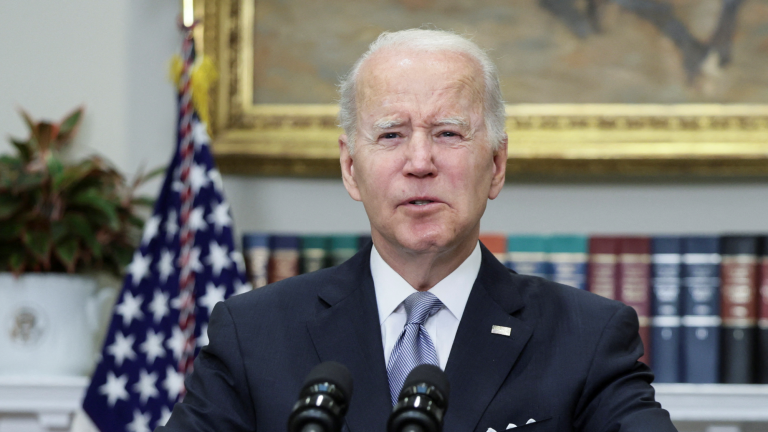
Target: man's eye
column 448, row 134
column 390, row 135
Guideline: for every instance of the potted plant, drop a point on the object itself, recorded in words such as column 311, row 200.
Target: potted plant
column 60, row 223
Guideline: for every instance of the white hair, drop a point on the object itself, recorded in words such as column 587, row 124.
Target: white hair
column 428, row 41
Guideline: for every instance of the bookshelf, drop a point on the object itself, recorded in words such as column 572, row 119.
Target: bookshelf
column 714, row 402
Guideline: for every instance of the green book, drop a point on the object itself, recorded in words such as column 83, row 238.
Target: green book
column 315, row 253
column 343, row 247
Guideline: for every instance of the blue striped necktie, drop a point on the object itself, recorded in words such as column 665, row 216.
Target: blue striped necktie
column 414, row 346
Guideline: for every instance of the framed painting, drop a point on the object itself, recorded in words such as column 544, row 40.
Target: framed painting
column 593, row 87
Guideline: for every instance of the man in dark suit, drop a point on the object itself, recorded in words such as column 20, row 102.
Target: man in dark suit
column 424, row 149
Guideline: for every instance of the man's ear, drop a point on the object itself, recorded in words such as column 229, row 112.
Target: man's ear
column 348, row 168
column 499, row 169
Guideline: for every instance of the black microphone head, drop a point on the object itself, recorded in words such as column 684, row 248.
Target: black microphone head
column 430, row 375
column 334, row 373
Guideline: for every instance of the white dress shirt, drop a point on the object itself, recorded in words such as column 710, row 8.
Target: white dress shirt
column 391, row 290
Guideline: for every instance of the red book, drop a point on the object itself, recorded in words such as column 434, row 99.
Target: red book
column 762, row 314
column 602, row 272
column 634, row 284
column 496, row 244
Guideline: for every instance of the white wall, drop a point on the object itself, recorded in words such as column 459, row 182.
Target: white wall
column 305, row 206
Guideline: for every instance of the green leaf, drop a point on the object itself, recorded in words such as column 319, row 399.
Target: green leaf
column 25, row 149
column 28, row 181
column 10, row 230
column 55, row 170
column 69, row 125
column 74, row 174
column 16, row 262
column 67, row 251
column 59, row 230
column 9, row 204
column 39, row 244
column 91, row 198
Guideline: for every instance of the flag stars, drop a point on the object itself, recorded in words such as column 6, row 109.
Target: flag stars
column 159, row 305
column 150, row 229
column 114, row 388
column 215, row 177
column 194, row 260
column 165, row 415
column 213, row 295
column 122, row 348
column 173, row 383
column 165, row 266
column 140, row 422
column 177, row 342
column 152, row 346
column 237, row 258
column 220, row 217
column 198, row 177
column 241, row 287
column 196, row 220
column 202, row 340
column 146, row 386
column 130, row 308
column 171, row 225
column 139, row 267
column 218, row 258
column 200, row 134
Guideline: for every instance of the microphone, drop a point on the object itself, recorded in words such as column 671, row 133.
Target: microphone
column 422, row 402
column 323, row 399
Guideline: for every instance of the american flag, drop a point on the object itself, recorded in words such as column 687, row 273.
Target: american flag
column 185, row 264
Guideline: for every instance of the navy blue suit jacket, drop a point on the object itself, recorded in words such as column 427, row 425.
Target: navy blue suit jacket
column 570, row 362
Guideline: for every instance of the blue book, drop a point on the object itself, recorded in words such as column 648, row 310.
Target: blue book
column 256, row 253
column 527, row 254
column 568, row 256
column 666, row 260
column 701, row 309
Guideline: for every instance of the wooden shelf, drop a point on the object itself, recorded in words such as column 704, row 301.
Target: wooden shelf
column 714, row 402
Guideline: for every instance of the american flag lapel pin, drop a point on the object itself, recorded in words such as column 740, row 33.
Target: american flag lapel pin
column 501, row 330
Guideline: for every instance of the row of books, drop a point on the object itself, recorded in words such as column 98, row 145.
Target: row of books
column 702, row 301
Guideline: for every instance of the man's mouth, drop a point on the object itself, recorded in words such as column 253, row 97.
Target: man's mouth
column 420, row 202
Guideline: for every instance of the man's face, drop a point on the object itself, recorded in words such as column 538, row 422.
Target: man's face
column 422, row 165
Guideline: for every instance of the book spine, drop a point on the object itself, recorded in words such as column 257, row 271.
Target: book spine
column 602, row 272
column 569, row 268
column 284, row 258
column 343, row 247
column 634, row 282
column 496, row 244
column 762, row 367
column 314, row 253
column 739, row 309
column 256, row 252
column 527, row 255
column 701, row 310
column 665, row 309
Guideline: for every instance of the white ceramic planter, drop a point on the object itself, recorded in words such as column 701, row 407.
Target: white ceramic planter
column 47, row 323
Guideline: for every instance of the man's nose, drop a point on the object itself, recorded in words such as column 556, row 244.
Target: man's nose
column 420, row 156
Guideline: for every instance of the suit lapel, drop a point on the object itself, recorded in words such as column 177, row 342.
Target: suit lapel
column 347, row 330
column 480, row 360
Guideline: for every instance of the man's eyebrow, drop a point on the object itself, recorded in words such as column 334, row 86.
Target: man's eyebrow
column 388, row 124
column 457, row 121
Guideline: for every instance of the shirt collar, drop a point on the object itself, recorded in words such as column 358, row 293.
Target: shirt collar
column 453, row 291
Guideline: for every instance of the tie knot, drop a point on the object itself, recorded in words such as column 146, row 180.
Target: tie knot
column 421, row 305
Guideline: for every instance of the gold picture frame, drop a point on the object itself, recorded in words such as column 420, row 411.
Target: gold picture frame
column 546, row 140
